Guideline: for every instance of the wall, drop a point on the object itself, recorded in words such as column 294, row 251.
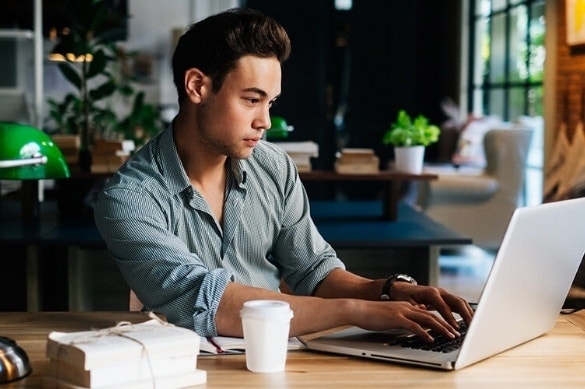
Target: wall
column 565, row 106
column 402, row 55
column 570, row 82
column 150, row 33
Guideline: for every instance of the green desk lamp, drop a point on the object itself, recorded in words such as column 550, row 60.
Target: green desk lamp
column 279, row 128
column 29, row 154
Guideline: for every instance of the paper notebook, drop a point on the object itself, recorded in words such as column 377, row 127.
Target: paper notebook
column 229, row 345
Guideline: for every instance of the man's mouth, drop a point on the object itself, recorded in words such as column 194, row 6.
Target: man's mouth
column 251, row 142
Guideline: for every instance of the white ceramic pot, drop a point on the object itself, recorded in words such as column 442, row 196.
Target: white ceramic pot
column 409, row 159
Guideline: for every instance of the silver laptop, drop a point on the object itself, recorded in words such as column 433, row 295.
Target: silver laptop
column 521, row 300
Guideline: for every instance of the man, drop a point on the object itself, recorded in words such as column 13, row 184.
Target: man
column 207, row 215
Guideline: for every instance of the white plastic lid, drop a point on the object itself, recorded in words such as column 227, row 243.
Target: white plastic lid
column 269, row 309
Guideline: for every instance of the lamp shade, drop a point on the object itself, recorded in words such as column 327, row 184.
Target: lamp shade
column 27, row 153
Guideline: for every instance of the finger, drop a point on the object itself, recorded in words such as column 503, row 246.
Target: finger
column 450, row 303
column 463, row 308
column 412, row 301
column 445, row 328
column 446, row 313
column 418, row 330
column 435, row 323
column 466, row 312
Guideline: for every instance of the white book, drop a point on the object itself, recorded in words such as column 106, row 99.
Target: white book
column 122, row 372
column 181, row 380
column 88, row 350
column 307, row 147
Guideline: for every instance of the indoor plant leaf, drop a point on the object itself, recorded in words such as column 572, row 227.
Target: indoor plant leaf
column 104, row 90
column 98, row 64
column 71, row 74
column 406, row 132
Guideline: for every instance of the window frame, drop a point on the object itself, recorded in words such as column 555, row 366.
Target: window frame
column 477, row 90
column 474, row 95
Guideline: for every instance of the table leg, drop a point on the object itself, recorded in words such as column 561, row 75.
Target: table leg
column 434, row 269
column 80, row 283
column 390, row 201
column 33, row 299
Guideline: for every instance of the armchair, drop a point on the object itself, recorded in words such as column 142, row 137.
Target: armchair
column 480, row 203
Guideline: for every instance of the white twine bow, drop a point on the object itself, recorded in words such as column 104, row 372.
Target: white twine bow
column 120, row 329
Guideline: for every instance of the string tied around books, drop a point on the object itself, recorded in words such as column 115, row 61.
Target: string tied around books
column 123, row 329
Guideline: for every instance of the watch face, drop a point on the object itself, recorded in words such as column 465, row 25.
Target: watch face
column 395, row 278
column 405, row 278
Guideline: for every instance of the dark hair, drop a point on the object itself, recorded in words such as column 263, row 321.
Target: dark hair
column 215, row 44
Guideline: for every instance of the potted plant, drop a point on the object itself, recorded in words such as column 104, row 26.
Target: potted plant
column 98, row 69
column 409, row 138
column 141, row 123
column 85, row 53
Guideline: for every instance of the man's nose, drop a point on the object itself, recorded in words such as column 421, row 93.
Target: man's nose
column 263, row 121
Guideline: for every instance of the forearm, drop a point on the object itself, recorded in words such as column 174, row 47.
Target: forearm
column 340, row 283
column 344, row 306
column 311, row 314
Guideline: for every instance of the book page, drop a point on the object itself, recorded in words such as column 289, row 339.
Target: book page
column 229, row 345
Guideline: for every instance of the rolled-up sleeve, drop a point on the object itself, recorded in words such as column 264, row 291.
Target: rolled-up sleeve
column 305, row 258
column 179, row 260
column 157, row 264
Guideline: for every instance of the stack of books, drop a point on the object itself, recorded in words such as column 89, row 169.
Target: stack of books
column 301, row 153
column 145, row 355
column 69, row 145
column 357, row 161
column 109, row 155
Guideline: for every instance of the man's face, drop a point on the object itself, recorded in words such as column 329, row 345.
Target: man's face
column 232, row 121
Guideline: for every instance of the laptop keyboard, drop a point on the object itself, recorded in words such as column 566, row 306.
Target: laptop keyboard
column 442, row 344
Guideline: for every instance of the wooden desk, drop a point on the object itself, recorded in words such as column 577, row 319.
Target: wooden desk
column 554, row 360
column 391, row 179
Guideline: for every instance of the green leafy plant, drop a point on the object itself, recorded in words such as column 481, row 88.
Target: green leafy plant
column 86, row 53
column 97, row 67
column 142, row 122
column 406, row 132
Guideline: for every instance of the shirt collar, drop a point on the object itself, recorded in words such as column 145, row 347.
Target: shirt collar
column 237, row 167
column 172, row 167
column 176, row 175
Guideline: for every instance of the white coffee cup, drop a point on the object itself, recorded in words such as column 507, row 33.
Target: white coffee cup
column 266, row 326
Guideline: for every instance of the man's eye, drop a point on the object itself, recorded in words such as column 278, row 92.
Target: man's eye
column 253, row 100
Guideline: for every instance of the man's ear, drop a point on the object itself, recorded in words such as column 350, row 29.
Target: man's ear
column 196, row 84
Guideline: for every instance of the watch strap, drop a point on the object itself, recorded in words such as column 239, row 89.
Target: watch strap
column 385, row 296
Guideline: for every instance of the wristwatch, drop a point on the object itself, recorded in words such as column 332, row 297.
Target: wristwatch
column 395, row 278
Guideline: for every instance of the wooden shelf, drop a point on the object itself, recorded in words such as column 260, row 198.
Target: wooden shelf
column 391, row 179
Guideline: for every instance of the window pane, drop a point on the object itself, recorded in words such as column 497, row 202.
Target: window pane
column 498, row 49
column 498, row 5
column 496, row 103
column 343, row 5
column 517, row 45
column 516, row 103
column 507, row 71
column 482, row 7
column 535, row 101
column 478, row 103
column 537, row 52
column 482, row 51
